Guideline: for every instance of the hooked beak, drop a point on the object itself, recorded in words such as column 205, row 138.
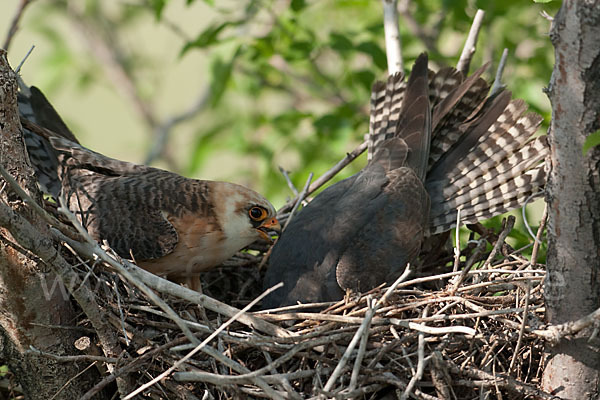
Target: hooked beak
column 270, row 224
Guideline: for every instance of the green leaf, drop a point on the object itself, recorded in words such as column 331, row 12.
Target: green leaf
column 158, row 7
column 298, row 5
column 542, row 1
column 221, row 74
column 340, row 42
column 377, row 54
column 206, row 38
column 592, row 140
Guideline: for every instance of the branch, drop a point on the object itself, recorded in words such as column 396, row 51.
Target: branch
column 469, row 49
column 323, row 179
column 393, row 46
column 498, row 86
column 14, row 26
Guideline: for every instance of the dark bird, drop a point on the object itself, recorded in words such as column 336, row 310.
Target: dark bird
column 436, row 144
column 171, row 225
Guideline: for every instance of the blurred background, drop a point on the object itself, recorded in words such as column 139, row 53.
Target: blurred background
column 233, row 90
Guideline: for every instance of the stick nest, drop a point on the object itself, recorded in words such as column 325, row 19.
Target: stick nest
column 436, row 335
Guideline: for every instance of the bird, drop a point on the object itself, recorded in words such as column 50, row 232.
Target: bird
column 437, row 143
column 172, row 226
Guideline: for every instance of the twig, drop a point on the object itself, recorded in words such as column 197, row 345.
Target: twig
column 555, row 333
column 522, row 330
column 416, row 29
column 18, row 69
column 366, row 321
column 469, row 48
column 420, row 364
column 204, row 343
column 83, row 357
column 506, row 229
column 174, row 289
column 49, row 219
column 14, row 25
column 474, row 257
column 163, row 129
column 457, row 243
column 289, row 181
column 525, row 221
column 361, row 350
column 538, row 236
column 323, row 179
column 498, row 85
column 393, row 46
column 299, row 198
column 504, row 382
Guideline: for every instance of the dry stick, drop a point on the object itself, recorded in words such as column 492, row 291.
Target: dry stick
column 84, row 357
column 498, row 85
column 393, row 47
column 167, row 287
column 203, row 344
column 14, row 25
column 508, row 226
column 478, row 250
column 49, row 219
column 457, row 241
column 538, row 236
column 289, row 181
column 333, row 171
column 365, row 323
column 18, row 69
column 555, row 333
column 94, row 250
column 219, row 356
column 522, row 329
column 420, row 363
column 504, row 382
column 361, row 350
column 469, row 48
column 300, row 197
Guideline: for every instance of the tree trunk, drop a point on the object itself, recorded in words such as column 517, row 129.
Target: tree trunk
column 32, row 307
column 573, row 280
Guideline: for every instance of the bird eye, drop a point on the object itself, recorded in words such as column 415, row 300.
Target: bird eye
column 257, row 213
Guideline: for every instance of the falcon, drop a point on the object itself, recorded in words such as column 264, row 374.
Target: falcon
column 436, row 144
column 170, row 225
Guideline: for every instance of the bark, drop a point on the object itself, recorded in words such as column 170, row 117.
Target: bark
column 573, row 284
column 32, row 310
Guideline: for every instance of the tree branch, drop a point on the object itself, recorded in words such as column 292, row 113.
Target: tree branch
column 469, row 48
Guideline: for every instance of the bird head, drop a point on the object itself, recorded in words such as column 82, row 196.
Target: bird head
column 245, row 215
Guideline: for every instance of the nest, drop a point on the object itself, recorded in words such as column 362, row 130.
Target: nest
column 431, row 335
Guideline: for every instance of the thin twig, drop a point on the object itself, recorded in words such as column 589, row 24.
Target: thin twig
column 469, row 48
column 538, row 236
column 420, row 363
column 457, row 243
column 393, row 45
column 522, row 330
column 289, row 182
column 204, row 343
column 300, row 197
column 333, row 171
column 498, row 85
column 14, row 25
column 506, row 229
column 366, row 321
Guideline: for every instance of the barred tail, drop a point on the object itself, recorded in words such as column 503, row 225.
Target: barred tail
column 491, row 164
